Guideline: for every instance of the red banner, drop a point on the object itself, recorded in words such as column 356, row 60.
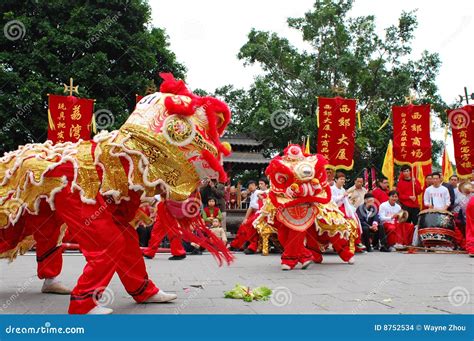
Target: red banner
column 336, row 134
column 411, row 134
column 70, row 118
column 462, row 126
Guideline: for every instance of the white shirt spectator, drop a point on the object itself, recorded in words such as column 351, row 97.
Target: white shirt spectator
column 337, row 195
column 437, row 197
column 254, row 200
column 386, row 212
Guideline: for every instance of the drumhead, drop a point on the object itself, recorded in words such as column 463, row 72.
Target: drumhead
column 430, row 210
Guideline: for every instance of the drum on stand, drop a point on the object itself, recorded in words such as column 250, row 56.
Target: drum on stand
column 436, row 228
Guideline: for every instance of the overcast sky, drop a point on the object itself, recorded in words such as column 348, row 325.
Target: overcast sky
column 206, row 35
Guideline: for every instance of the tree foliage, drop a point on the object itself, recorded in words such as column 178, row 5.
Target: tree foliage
column 108, row 47
column 343, row 52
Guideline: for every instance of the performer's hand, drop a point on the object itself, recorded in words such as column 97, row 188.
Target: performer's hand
column 412, row 198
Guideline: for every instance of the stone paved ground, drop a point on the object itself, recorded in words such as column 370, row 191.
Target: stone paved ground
column 379, row 283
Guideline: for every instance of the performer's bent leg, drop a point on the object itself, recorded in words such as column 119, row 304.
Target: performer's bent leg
column 294, row 249
column 253, row 239
column 131, row 268
column 176, row 244
column 101, row 242
column 342, row 247
column 240, row 238
column 47, row 229
column 157, row 234
column 313, row 245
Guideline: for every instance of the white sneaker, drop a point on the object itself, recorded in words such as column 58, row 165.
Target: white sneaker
column 98, row 310
column 161, row 297
column 351, row 261
column 53, row 286
column 306, row 264
column 285, row 267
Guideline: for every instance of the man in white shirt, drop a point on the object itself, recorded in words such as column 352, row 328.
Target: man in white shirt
column 338, row 193
column 339, row 197
column 437, row 196
column 397, row 233
column 389, row 209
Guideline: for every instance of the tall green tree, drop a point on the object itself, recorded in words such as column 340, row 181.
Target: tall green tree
column 108, row 47
column 343, row 52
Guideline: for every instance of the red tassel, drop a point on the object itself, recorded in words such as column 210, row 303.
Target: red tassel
column 213, row 106
column 214, row 164
column 194, row 230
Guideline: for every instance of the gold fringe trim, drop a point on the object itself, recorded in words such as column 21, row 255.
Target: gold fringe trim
column 21, row 248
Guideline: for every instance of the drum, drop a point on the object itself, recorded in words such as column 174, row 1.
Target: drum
column 436, row 228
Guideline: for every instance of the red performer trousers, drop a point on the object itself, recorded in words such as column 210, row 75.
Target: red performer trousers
column 109, row 245
column 294, row 251
column 45, row 227
column 404, row 233
column 391, row 233
column 315, row 241
column 246, row 233
column 240, row 238
column 157, row 234
column 470, row 226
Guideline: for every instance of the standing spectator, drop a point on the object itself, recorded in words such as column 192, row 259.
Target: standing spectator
column 367, row 213
column 454, row 181
column 339, row 197
column 330, row 176
column 465, row 194
column 452, row 194
column 428, row 183
column 381, row 192
column 243, row 202
column 338, row 192
column 232, row 203
column 357, row 192
column 242, row 233
column 437, row 196
column 409, row 189
column 211, row 211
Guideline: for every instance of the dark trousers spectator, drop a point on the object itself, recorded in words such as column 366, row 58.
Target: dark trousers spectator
column 379, row 237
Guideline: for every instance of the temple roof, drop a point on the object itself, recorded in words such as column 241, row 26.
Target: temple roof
column 250, row 158
column 238, row 139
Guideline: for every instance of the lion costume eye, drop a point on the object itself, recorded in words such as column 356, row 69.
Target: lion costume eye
column 281, row 178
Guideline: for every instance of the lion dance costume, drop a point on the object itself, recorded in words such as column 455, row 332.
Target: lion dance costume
column 300, row 211
column 168, row 145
